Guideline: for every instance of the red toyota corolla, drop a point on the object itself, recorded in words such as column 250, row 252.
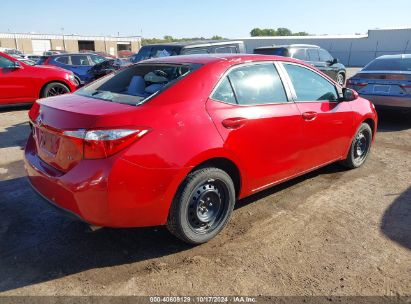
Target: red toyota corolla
column 21, row 82
column 176, row 141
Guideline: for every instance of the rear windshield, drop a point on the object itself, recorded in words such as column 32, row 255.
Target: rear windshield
column 275, row 51
column 392, row 64
column 136, row 84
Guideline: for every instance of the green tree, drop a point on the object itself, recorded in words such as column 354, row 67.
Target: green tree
column 282, row 31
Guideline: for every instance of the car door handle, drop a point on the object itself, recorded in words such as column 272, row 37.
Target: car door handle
column 310, row 116
column 234, row 123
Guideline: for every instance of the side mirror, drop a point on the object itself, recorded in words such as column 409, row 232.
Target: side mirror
column 334, row 61
column 349, row 95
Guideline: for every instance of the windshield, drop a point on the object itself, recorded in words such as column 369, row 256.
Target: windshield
column 155, row 51
column 273, row 51
column 137, row 83
column 391, row 64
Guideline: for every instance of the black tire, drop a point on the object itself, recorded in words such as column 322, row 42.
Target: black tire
column 54, row 89
column 360, row 147
column 340, row 79
column 202, row 206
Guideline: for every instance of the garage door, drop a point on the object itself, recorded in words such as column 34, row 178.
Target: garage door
column 40, row 46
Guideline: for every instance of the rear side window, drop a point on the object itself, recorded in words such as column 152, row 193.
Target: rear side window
column 309, row 86
column 257, row 84
column 224, row 92
column 195, row 51
column 299, row 54
column 274, row 51
column 313, row 55
column 79, row 60
column 63, row 59
column 226, row 50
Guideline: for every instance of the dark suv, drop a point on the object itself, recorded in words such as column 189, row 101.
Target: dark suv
column 312, row 54
column 188, row 48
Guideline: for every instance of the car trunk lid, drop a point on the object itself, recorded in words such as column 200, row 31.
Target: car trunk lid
column 65, row 113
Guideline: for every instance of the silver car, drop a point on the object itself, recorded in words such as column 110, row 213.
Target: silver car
column 386, row 81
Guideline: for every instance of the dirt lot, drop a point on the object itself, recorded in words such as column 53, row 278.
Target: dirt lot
column 332, row 232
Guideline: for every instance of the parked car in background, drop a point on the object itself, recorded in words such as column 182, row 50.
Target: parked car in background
column 386, row 81
column 102, row 54
column 25, row 83
column 124, row 54
column 31, row 57
column 11, row 52
column 311, row 54
column 78, row 63
column 54, row 52
column 26, row 61
column 106, row 67
column 119, row 152
column 187, row 48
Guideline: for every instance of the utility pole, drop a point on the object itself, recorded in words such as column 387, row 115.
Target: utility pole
column 64, row 41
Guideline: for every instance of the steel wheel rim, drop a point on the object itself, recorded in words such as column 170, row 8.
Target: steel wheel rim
column 361, row 146
column 208, row 206
column 56, row 90
column 340, row 79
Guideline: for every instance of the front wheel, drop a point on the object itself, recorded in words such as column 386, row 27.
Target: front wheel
column 360, row 147
column 202, row 206
column 340, row 79
column 54, row 89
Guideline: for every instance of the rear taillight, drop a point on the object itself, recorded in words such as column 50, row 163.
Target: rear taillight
column 104, row 143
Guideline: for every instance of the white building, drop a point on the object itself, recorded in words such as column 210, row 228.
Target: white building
column 351, row 50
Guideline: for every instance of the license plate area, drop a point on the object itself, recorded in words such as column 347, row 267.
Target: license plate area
column 384, row 89
column 48, row 142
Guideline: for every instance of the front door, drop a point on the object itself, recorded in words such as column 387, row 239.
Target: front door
column 327, row 123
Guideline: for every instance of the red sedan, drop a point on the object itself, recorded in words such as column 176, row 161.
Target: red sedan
column 21, row 82
column 176, row 141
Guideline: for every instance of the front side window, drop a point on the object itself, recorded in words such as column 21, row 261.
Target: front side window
column 257, row 84
column 5, row 63
column 97, row 59
column 79, row 60
column 325, row 56
column 313, row 55
column 63, row 59
column 135, row 84
column 310, row 86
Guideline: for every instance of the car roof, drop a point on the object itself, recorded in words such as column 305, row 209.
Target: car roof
column 194, row 43
column 213, row 58
column 68, row 54
column 286, row 46
column 397, row 56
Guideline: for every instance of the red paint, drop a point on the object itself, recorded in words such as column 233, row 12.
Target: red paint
column 135, row 186
column 24, row 84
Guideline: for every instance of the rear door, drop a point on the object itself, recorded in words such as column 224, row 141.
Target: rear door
column 327, row 123
column 258, row 123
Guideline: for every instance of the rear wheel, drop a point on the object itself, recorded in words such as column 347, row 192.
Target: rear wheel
column 360, row 147
column 54, row 89
column 202, row 206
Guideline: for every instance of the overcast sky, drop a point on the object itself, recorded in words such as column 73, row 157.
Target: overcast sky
column 185, row 18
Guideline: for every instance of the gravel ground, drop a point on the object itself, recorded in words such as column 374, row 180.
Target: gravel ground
column 331, row 232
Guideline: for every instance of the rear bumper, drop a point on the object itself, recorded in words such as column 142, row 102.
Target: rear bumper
column 109, row 192
column 389, row 101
